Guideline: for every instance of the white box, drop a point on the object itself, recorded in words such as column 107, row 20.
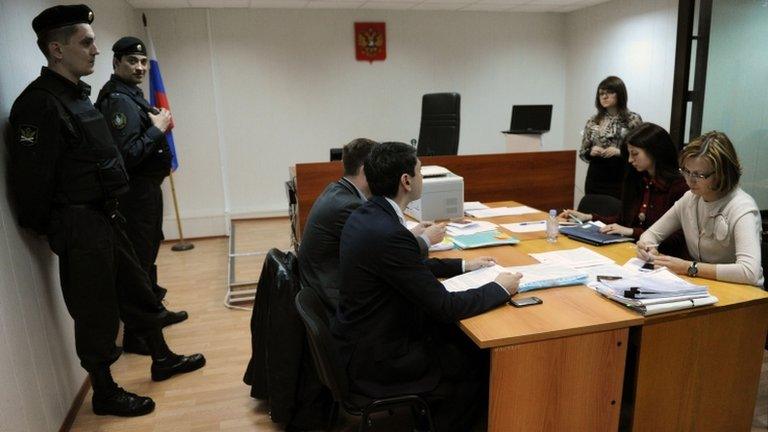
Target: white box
column 441, row 198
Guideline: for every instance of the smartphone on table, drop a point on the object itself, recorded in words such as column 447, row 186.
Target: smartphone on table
column 526, row 301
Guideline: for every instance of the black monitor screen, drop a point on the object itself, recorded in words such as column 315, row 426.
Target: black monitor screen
column 533, row 118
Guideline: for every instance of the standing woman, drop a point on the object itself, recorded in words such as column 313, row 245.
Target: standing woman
column 603, row 135
column 651, row 187
column 720, row 221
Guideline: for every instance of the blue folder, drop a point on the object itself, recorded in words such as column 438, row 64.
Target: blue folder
column 483, row 239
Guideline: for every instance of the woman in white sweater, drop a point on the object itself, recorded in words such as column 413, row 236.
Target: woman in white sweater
column 720, row 221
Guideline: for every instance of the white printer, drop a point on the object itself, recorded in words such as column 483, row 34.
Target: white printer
column 442, row 196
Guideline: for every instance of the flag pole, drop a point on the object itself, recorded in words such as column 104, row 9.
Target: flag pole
column 181, row 245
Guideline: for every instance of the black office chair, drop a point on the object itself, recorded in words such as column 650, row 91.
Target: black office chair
column 604, row 205
column 322, row 346
column 440, row 120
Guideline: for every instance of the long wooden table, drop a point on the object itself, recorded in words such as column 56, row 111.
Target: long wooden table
column 580, row 362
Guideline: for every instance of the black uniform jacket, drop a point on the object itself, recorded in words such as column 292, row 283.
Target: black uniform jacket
column 143, row 146
column 391, row 301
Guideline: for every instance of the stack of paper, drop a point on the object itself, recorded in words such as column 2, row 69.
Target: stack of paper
column 536, row 276
column 469, row 227
column 501, row 211
column 654, row 292
column 474, row 205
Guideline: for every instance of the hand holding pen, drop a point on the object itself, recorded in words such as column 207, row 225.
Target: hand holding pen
column 574, row 216
column 647, row 251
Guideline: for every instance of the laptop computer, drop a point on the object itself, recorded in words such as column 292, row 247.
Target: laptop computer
column 530, row 119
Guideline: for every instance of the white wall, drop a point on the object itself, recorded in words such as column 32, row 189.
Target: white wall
column 288, row 88
column 632, row 39
column 736, row 97
column 39, row 372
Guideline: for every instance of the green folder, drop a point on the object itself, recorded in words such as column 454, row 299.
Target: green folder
column 483, row 239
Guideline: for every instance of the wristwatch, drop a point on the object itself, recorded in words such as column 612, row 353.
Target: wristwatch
column 693, row 270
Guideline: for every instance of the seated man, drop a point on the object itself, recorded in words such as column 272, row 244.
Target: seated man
column 319, row 249
column 395, row 323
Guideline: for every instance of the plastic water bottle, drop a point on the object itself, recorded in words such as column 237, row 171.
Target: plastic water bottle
column 553, row 228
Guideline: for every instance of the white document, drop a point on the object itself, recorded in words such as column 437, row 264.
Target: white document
column 610, row 270
column 409, row 224
column 576, row 258
column 455, row 229
column 474, row 205
column 442, row 246
column 524, row 227
column 473, row 279
column 501, row 211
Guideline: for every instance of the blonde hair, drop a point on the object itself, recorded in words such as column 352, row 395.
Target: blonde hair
column 715, row 147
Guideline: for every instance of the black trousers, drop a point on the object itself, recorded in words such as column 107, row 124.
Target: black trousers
column 142, row 207
column 102, row 282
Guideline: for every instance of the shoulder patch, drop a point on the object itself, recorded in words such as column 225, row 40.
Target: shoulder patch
column 28, row 135
column 118, row 120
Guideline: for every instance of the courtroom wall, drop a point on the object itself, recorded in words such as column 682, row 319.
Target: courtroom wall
column 633, row 39
column 254, row 91
column 40, row 374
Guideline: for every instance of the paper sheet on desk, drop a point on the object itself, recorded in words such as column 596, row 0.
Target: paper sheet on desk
column 535, row 276
column 575, row 258
column 473, row 279
column 501, row 211
column 474, row 205
column 523, row 227
column 454, row 229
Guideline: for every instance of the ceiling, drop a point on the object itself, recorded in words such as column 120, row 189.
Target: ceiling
column 447, row 5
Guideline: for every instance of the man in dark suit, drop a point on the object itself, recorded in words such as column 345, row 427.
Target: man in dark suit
column 319, row 249
column 395, row 323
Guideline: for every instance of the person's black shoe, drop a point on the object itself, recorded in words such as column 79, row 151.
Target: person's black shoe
column 176, row 364
column 134, row 344
column 170, row 318
column 122, row 404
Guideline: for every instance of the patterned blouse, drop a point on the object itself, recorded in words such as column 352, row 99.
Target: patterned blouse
column 610, row 132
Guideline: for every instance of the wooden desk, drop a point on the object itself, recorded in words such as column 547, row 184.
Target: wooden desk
column 543, row 179
column 561, row 366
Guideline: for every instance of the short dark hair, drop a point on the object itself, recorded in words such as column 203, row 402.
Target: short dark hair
column 718, row 149
column 612, row 84
column 353, row 154
column 658, row 145
column 386, row 164
column 61, row 35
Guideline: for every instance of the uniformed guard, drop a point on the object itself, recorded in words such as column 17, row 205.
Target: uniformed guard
column 138, row 130
column 66, row 175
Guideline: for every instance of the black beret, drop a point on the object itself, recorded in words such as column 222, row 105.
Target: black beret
column 61, row 16
column 129, row 45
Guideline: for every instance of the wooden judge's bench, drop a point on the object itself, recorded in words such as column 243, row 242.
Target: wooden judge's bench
column 543, row 180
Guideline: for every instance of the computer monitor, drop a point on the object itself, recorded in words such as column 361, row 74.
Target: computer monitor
column 530, row 119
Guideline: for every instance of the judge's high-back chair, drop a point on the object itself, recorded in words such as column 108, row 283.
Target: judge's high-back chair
column 440, row 121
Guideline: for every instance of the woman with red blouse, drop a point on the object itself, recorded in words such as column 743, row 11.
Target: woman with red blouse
column 648, row 190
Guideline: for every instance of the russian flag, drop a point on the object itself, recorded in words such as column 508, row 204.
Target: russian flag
column 157, row 96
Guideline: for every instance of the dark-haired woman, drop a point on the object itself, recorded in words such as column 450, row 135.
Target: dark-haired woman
column 650, row 188
column 603, row 135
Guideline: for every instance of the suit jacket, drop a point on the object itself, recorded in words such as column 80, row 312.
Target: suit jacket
column 319, row 249
column 391, row 302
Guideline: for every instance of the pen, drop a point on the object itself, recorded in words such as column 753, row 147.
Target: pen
column 574, row 218
column 601, row 278
column 531, row 223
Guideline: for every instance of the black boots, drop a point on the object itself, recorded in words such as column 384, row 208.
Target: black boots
column 109, row 399
column 175, row 364
column 165, row 363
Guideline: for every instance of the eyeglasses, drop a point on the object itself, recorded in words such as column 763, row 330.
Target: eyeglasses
column 694, row 176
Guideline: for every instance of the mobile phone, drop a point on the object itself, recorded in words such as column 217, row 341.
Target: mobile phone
column 527, row 301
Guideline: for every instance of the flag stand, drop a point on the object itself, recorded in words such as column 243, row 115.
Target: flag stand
column 181, row 245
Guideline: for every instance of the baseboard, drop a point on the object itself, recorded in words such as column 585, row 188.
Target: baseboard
column 66, row 425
